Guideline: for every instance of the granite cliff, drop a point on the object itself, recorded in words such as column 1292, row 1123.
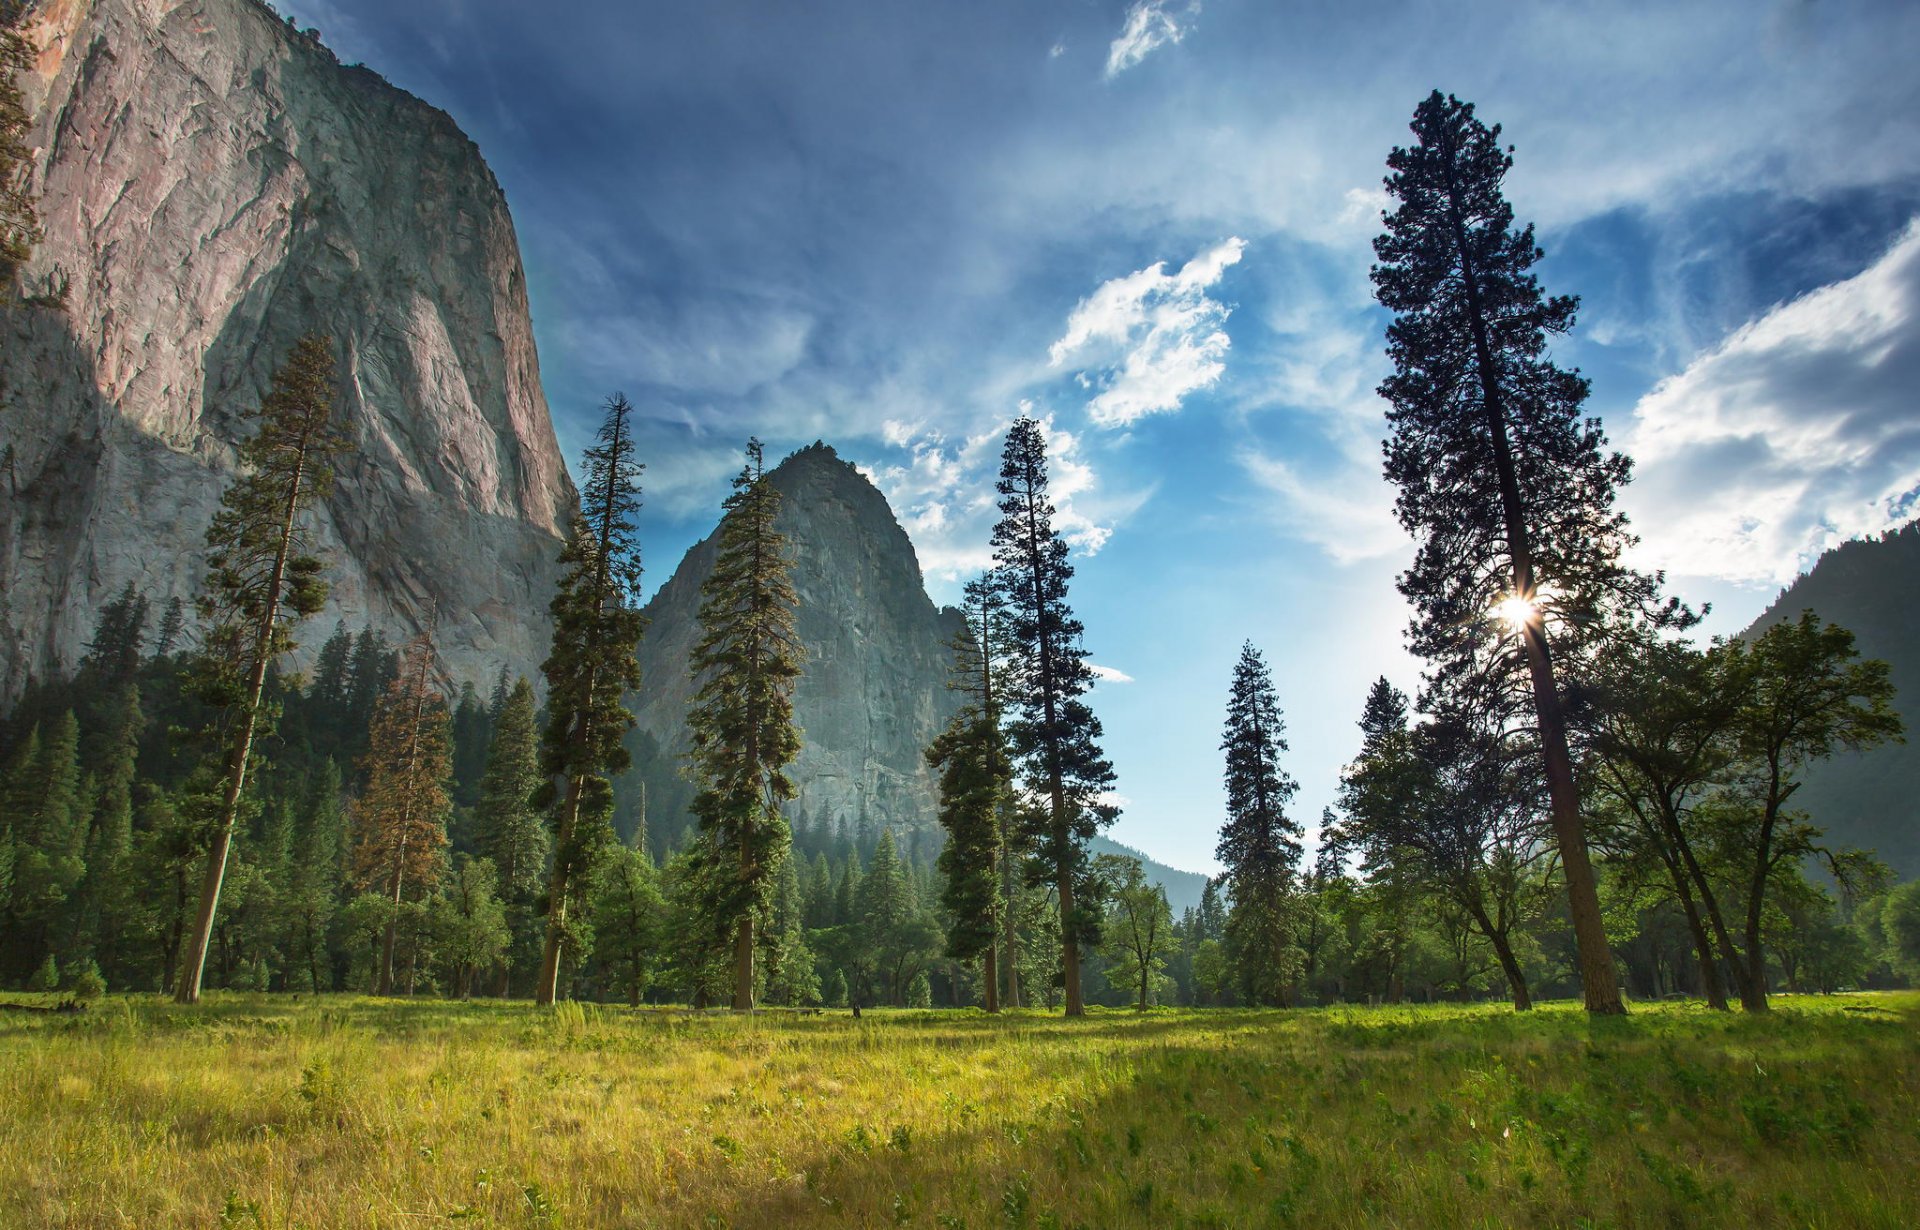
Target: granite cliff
column 872, row 693
column 212, row 184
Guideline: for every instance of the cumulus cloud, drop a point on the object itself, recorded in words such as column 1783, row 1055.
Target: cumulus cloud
column 1150, row 337
column 1796, row 432
column 1149, row 26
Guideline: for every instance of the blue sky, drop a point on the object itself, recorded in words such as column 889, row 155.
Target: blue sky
column 893, row 226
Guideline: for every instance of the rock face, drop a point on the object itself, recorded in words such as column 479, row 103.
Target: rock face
column 1872, row 589
column 872, row 693
column 213, row 184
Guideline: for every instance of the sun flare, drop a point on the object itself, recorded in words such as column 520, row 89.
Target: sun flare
column 1517, row 612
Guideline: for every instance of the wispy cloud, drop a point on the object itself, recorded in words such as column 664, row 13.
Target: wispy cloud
column 1108, row 674
column 1795, row 433
column 1151, row 336
column 1149, row 27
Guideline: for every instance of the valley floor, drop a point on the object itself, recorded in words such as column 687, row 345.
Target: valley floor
column 275, row 1112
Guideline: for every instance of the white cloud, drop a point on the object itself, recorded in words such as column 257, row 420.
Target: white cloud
column 1798, row 431
column 1149, row 26
column 1151, row 337
column 1108, row 674
column 1056, row 51
column 1344, row 510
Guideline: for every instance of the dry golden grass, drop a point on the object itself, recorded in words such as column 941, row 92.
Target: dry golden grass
column 263, row 1111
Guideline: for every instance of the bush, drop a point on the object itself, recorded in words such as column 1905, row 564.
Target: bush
column 88, row 984
column 47, row 977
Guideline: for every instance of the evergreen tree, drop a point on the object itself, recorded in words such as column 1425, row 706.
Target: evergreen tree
column 46, row 817
column 327, row 697
column 975, row 789
column 596, row 630
column 472, row 733
column 173, row 625
column 791, row 978
column 400, row 819
column 629, row 920
column 312, row 896
column 109, row 876
column 741, row 722
column 1054, row 735
column 370, row 670
column 261, row 579
column 1259, row 844
column 507, row 826
column 119, row 640
column 1507, row 489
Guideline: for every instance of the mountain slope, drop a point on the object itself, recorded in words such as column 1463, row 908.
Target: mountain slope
column 872, row 692
column 1872, row 588
column 212, row 185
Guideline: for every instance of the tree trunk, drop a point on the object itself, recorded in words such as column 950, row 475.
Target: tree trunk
column 557, row 886
column 743, row 965
column 990, row 981
column 1702, row 943
column 1069, row 947
column 1598, row 979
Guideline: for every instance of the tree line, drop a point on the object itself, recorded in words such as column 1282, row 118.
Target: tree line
column 1576, row 794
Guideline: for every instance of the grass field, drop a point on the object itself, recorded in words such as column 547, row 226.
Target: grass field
column 266, row 1111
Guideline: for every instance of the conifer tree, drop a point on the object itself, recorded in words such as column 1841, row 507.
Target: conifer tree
column 596, row 631
column 1507, row 489
column 791, row 977
column 173, row 625
column 1054, row 735
column 741, row 721
column 119, row 639
column 312, row 895
column 109, row 875
column 975, row 794
column 262, row 577
column 507, row 826
column 1259, row 844
column 469, row 921
column 46, row 819
column 400, row 819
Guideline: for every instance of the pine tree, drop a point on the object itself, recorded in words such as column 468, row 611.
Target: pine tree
column 262, row 577
column 596, row 629
column 1259, row 844
column 884, row 908
column 173, row 625
column 400, row 818
column 119, row 640
column 109, row 877
column 312, row 895
column 46, row 816
column 741, row 722
column 975, row 795
column 472, row 733
column 507, row 826
column 1507, row 489
column 1055, row 736
column 791, row 977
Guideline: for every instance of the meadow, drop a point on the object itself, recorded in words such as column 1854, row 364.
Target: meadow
column 276, row 1111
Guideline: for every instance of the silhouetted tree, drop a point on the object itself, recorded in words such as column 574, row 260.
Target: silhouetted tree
column 1508, row 490
column 1259, row 844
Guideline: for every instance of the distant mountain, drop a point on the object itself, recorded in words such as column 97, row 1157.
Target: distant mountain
column 1872, row 588
column 1183, row 887
column 871, row 695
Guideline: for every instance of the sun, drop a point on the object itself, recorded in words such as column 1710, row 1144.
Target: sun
column 1517, row 612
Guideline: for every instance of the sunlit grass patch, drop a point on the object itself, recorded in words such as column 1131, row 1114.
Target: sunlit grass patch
column 341, row 1111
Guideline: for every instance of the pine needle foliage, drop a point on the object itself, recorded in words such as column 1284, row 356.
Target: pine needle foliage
column 1259, row 844
column 1507, row 487
column 400, row 819
column 263, row 576
column 597, row 627
column 741, row 722
column 1054, row 735
column 970, row 756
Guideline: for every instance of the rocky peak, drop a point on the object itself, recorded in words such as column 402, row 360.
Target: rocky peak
column 872, row 693
column 213, row 184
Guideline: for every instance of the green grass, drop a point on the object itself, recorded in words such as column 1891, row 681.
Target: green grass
column 264, row 1111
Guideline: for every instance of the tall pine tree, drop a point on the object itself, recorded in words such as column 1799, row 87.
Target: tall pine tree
column 1260, row 843
column 1054, row 735
column 508, row 828
column 741, row 722
column 400, row 818
column 975, row 793
column 1508, row 490
column 262, row 577
column 596, row 631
